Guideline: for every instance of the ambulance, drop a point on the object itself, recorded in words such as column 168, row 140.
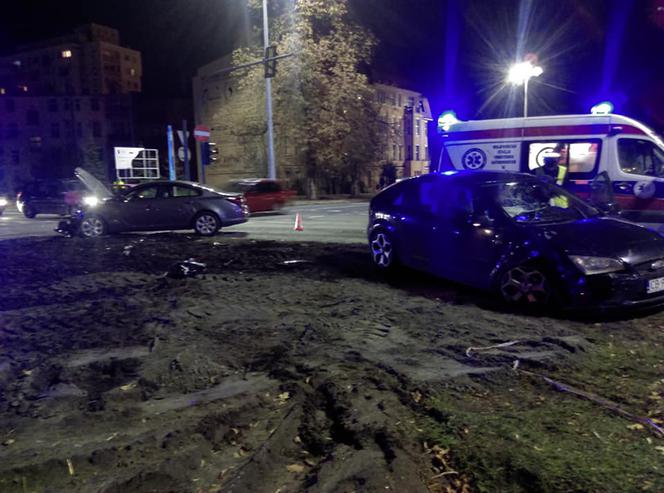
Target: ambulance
column 575, row 150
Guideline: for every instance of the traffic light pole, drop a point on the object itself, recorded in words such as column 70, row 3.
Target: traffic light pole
column 271, row 161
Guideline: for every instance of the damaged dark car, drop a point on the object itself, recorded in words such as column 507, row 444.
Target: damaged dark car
column 525, row 238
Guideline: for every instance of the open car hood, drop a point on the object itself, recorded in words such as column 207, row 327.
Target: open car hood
column 95, row 186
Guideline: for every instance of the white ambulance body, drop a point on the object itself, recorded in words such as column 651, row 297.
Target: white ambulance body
column 631, row 154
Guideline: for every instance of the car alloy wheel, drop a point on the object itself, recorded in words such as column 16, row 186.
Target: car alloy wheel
column 92, row 227
column 525, row 284
column 206, row 224
column 382, row 251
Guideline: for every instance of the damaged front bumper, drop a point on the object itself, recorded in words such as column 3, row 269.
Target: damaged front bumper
column 626, row 289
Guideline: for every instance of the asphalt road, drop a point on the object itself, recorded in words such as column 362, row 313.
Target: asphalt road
column 325, row 221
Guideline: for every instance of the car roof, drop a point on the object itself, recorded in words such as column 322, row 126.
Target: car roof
column 478, row 177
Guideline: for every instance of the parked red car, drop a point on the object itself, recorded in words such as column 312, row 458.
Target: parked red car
column 262, row 194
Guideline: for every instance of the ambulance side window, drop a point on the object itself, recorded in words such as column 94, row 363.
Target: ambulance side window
column 640, row 157
column 578, row 157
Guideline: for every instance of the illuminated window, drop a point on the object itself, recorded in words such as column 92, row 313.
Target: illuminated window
column 417, row 126
column 23, row 88
column 66, row 54
column 17, row 63
column 132, row 71
column 2, row 90
column 417, row 153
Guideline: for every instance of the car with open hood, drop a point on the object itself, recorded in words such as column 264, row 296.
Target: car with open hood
column 523, row 237
column 158, row 206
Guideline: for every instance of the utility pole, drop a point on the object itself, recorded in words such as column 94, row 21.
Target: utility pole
column 271, row 162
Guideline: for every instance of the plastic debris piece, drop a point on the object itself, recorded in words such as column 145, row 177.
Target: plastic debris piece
column 295, row 468
column 187, row 268
column 70, row 467
column 486, row 348
column 127, row 250
column 296, row 261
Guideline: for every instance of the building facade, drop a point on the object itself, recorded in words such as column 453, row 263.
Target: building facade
column 66, row 102
column 220, row 100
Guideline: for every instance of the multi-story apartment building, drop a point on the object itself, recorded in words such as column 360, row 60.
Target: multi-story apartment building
column 66, row 102
column 407, row 114
column 219, row 100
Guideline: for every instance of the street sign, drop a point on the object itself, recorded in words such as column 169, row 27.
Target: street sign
column 201, row 133
column 136, row 163
column 182, row 138
column 181, row 153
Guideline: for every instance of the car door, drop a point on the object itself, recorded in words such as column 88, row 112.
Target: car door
column 142, row 208
column 470, row 238
column 180, row 204
column 415, row 223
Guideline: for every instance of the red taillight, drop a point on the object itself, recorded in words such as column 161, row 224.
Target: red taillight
column 239, row 200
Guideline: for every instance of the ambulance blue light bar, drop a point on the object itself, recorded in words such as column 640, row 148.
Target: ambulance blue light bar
column 603, row 108
column 446, row 120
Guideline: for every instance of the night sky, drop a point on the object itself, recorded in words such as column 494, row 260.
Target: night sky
column 456, row 52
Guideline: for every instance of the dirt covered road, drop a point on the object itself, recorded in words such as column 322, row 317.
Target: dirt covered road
column 285, row 367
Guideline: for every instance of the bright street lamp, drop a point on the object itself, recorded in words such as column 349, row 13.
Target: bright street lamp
column 521, row 73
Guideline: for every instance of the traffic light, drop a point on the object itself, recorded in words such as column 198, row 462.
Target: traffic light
column 209, row 153
column 270, row 62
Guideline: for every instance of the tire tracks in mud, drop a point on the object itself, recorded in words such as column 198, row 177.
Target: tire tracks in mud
column 307, row 378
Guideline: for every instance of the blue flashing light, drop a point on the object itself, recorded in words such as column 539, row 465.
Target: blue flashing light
column 603, row 108
column 446, row 120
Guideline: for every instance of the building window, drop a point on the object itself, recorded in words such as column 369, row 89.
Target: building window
column 35, row 143
column 67, row 104
column 32, row 117
column 55, row 130
column 94, row 104
column 409, row 153
column 79, row 129
column 52, row 105
column 399, row 99
column 17, row 63
column 96, row 129
column 3, row 90
column 66, row 54
column 417, row 153
column 417, row 127
column 394, row 151
column 100, row 153
column 132, row 72
column 12, row 130
column 400, row 152
column 77, row 104
column 411, row 101
column 23, row 88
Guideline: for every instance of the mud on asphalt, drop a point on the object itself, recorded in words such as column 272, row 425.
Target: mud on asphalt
column 284, row 367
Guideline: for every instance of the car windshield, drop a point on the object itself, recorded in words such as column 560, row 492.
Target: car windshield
column 537, row 202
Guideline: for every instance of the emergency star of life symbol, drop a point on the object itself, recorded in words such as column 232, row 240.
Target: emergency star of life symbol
column 474, row 159
column 644, row 189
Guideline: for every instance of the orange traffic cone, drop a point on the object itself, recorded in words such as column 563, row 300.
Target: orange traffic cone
column 298, row 223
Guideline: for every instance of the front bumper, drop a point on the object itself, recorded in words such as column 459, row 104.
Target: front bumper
column 626, row 289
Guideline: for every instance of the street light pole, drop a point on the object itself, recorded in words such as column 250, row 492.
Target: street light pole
column 271, row 162
column 521, row 73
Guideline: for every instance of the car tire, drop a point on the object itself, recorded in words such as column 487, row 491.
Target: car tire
column 527, row 285
column 381, row 247
column 29, row 211
column 207, row 223
column 92, row 226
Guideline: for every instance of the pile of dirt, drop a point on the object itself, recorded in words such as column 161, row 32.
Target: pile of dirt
column 281, row 367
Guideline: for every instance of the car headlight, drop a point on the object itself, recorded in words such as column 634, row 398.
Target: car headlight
column 90, row 200
column 3, row 202
column 596, row 265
